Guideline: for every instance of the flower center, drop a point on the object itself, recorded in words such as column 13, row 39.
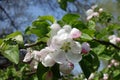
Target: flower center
column 66, row 46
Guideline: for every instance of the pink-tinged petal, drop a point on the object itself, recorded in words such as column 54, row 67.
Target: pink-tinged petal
column 66, row 68
column 72, row 57
column 85, row 47
column 75, row 33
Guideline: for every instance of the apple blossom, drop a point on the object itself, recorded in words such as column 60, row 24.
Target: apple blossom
column 114, row 39
column 92, row 13
column 61, row 47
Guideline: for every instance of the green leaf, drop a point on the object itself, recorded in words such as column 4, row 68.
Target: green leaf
column 17, row 36
column 63, row 4
column 91, row 32
column 39, row 28
column 99, row 49
column 78, row 24
column 1, row 41
column 89, row 64
column 41, row 71
column 86, row 37
column 47, row 18
column 12, row 53
column 68, row 18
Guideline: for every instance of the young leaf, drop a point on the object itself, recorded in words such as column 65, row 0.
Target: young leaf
column 86, row 37
column 68, row 18
column 47, row 18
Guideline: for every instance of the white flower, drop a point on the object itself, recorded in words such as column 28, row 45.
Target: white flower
column 114, row 39
column 85, row 47
column 91, row 13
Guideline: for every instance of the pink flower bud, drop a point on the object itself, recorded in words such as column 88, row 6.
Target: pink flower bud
column 75, row 33
column 66, row 68
column 85, row 47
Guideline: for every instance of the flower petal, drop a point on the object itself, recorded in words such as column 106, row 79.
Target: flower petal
column 75, row 47
column 74, row 58
column 59, row 56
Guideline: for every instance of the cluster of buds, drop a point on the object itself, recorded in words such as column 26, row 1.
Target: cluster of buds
column 113, row 62
column 62, row 48
column 92, row 13
column 114, row 39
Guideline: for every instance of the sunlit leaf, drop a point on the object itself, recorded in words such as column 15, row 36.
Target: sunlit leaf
column 12, row 53
column 16, row 36
column 47, row 18
column 85, row 37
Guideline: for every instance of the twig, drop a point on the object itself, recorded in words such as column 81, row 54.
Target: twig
column 33, row 44
column 107, row 43
column 12, row 22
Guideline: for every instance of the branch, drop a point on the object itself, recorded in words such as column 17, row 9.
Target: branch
column 33, row 44
column 107, row 43
column 12, row 22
